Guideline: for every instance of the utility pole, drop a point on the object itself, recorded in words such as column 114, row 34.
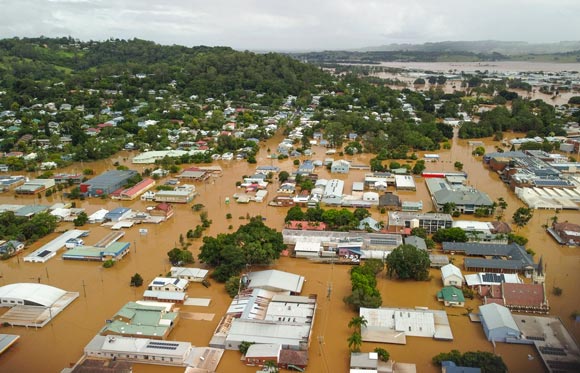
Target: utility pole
column 84, row 289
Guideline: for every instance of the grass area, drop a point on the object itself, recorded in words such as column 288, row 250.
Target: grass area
column 572, row 57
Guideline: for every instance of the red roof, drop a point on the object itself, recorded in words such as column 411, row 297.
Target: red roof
column 138, row 187
column 163, row 207
column 523, row 294
column 306, row 225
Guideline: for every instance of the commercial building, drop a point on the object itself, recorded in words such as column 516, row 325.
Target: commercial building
column 118, row 214
column 139, row 350
column 274, row 280
column 35, row 186
column 181, row 194
column 33, row 304
column 565, row 233
column 114, row 251
column 465, row 199
column 405, row 221
column 405, row 182
column 393, row 325
column 502, row 258
column 135, row 191
column 259, row 354
column 141, row 321
column 498, row 323
column 519, row 297
column 49, row 250
column 165, row 296
column 107, row 182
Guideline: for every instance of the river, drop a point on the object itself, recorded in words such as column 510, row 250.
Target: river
column 104, row 291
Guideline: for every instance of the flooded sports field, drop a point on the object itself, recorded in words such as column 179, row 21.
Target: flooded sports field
column 103, row 291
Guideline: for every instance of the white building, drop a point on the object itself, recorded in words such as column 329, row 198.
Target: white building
column 189, row 274
column 451, row 276
column 275, row 280
column 168, row 284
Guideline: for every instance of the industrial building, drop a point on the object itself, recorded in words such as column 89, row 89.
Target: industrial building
column 135, row 191
column 107, row 182
column 498, row 323
column 35, row 186
column 274, row 280
column 181, row 194
column 33, row 305
column 114, row 251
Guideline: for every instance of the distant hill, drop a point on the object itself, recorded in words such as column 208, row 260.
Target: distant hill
column 508, row 48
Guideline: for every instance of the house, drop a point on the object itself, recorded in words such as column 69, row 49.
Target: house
column 340, row 167
column 416, row 241
column 411, row 206
column 565, row 233
column 165, row 296
column 307, row 167
column 371, row 197
column 168, row 284
column 260, row 353
column 389, row 201
column 307, row 249
column 498, row 323
column 451, row 276
column 189, row 274
column 369, row 223
column 290, row 359
column 451, row 297
column 10, row 248
column 162, row 209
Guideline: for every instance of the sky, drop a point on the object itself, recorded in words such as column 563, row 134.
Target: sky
column 294, row 24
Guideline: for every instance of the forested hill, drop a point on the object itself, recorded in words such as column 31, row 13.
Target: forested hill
column 198, row 70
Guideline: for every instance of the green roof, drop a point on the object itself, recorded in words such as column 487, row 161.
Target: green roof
column 451, row 294
column 143, row 320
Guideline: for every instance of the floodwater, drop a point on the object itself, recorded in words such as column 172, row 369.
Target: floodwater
column 491, row 66
column 104, row 291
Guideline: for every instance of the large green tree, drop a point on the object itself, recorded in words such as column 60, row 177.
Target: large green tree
column 408, row 262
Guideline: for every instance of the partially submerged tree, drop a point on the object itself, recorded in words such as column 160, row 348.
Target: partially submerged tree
column 408, row 262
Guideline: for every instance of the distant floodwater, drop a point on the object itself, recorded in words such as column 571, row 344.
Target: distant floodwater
column 491, row 66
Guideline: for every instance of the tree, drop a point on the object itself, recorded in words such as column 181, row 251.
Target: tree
column 233, row 286
column 81, row 219
column 283, row 176
column 408, row 262
column 419, row 232
column 502, row 204
column 355, row 342
column 136, row 280
column 244, row 346
column 179, row 256
column 486, row 361
column 294, row 213
column 458, row 166
column 361, row 213
column 455, row 234
column 522, row 216
column 357, row 322
column 448, row 207
column 383, row 354
column 108, row 263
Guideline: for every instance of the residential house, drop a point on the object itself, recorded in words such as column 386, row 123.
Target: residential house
column 189, row 274
column 340, row 167
column 389, row 201
column 162, row 209
column 416, row 241
column 451, row 297
column 168, row 284
column 451, row 276
column 565, row 233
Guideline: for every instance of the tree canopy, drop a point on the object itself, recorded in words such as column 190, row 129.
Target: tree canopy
column 487, row 361
column 408, row 262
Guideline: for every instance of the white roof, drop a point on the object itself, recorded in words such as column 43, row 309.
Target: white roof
column 496, row 316
column 263, row 350
column 313, row 247
column 39, row 294
column 189, row 272
column 163, row 281
column 119, row 344
column 449, row 270
column 470, row 225
column 284, row 281
column 404, row 181
column 478, row 279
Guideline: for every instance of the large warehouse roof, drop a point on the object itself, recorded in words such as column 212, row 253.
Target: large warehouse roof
column 32, row 294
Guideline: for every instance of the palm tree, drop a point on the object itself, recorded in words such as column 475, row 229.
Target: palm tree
column 272, row 367
column 357, row 322
column 354, row 342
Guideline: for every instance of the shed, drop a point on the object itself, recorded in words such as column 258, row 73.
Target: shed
column 275, row 280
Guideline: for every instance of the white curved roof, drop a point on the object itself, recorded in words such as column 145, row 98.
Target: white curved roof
column 34, row 294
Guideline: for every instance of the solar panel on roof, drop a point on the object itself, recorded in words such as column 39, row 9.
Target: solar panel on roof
column 158, row 283
column 493, row 277
column 44, row 253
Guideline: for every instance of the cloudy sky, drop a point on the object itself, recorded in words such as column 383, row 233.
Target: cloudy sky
column 294, row 24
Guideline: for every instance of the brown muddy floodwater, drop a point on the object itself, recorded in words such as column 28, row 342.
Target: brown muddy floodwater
column 104, row 291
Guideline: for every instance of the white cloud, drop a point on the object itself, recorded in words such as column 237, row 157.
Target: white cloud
column 299, row 24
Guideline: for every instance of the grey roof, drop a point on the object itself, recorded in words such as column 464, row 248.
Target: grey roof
column 110, row 178
column 462, row 197
column 518, row 258
column 29, row 210
column 416, row 241
column 496, row 316
column 363, row 360
column 274, row 279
